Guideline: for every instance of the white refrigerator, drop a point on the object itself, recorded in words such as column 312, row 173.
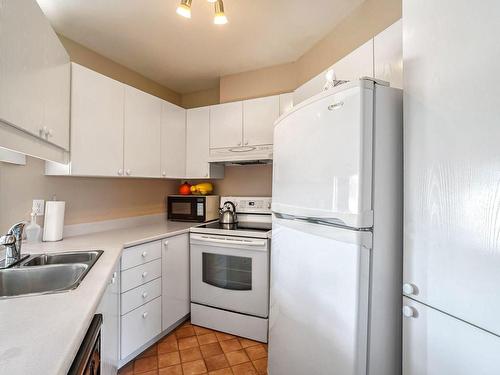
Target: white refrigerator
column 451, row 290
column 336, row 258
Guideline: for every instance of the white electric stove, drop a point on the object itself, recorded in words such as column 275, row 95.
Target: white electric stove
column 230, row 271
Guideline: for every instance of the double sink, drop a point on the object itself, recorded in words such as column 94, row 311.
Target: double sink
column 47, row 273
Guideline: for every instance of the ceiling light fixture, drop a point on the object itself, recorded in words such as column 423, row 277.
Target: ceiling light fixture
column 184, row 8
column 220, row 18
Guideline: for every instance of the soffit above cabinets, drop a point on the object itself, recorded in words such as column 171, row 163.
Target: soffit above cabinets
column 187, row 55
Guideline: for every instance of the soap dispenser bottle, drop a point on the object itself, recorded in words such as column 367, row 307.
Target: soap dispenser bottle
column 33, row 230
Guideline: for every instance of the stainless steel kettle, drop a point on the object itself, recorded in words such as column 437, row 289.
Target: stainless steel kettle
column 227, row 213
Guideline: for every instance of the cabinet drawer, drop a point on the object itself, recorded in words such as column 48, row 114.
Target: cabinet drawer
column 140, row 295
column 139, row 275
column 137, row 255
column 139, row 326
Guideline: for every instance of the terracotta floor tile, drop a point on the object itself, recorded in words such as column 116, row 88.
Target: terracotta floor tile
column 145, row 364
column 184, row 332
column 202, row 330
column 261, row 366
column 187, row 323
column 152, row 372
column 256, row 352
column 172, row 370
column 221, row 336
column 244, row 369
column 168, row 359
column 194, row 368
column 216, row 362
column 127, row 370
column 207, row 339
column 191, row 354
column 224, row 371
column 230, row 345
column 245, row 343
column 148, row 352
column 187, row 342
column 237, row 357
column 167, row 345
column 210, row 350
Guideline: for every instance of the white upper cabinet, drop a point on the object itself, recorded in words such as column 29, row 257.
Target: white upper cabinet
column 197, row 145
column 142, row 134
column 96, row 124
column 258, row 119
column 34, row 75
column 173, row 140
column 226, row 125
column 388, row 55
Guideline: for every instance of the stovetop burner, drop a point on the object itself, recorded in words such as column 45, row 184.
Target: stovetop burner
column 247, row 226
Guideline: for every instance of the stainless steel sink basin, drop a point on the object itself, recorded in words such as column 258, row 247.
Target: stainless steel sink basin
column 53, row 278
column 47, row 273
column 86, row 257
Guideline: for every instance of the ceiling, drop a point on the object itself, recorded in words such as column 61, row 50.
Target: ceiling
column 188, row 55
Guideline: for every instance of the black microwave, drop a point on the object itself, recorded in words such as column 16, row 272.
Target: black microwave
column 196, row 208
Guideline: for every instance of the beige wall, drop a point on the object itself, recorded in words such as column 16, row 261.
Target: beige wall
column 87, row 199
column 92, row 60
column 201, row 98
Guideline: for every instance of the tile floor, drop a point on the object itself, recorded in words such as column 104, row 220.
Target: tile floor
column 193, row 350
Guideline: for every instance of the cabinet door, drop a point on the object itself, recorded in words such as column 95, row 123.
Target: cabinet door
column 173, row 140
column 175, row 279
column 96, row 123
column 258, row 120
column 226, row 125
column 436, row 344
column 197, row 142
column 34, row 73
column 142, row 134
column 110, row 309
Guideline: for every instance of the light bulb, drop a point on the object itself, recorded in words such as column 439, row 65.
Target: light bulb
column 184, row 8
column 220, row 18
column 212, row 1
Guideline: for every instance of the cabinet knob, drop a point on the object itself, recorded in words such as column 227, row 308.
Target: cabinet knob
column 206, row 174
column 120, row 172
column 128, row 172
column 50, row 133
column 409, row 288
column 409, row 312
column 164, row 173
column 144, row 274
column 144, row 295
column 144, row 314
column 239, row 143
column 165, row 243
column 246, row 143
column 144, row 254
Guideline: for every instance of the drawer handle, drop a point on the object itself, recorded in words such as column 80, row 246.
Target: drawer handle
column 144, row 295
column 144, row 274
column 145, row 254
column 144, row 314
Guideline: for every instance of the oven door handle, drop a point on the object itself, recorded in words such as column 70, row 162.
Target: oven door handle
column 234, row 242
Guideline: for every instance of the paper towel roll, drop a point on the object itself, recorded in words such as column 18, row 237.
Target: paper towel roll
column 54, row 221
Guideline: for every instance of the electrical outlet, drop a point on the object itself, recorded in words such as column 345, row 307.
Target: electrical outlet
column 38, row 206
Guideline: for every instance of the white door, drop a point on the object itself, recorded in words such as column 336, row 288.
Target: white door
column 452, row 163
column 259, row 116
column 197, row 142
column 435, row 343
column 142, row 134
column 319, row 299
column 226, row 125
column 109, row 307
column 231, row 273
column 173, row 140
column 96, row 123
column 175, row 280
column 322, row 163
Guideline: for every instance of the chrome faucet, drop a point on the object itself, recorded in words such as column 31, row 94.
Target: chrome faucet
column 12, row 242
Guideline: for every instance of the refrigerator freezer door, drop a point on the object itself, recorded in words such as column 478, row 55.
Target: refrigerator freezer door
column 319, row 299
column 452, row 163
column 323, row 157
column 437, row 344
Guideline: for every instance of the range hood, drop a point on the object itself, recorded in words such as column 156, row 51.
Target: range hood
column 243, row 155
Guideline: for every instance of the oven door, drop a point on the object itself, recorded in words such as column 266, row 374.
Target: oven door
column 230, row 273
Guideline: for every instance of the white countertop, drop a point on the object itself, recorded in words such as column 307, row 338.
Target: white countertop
column 41, row 334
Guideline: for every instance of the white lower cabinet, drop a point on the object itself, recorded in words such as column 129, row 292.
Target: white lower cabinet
column 140, row 325
column 435, row 343
column 175, row 279
column 110, row 309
